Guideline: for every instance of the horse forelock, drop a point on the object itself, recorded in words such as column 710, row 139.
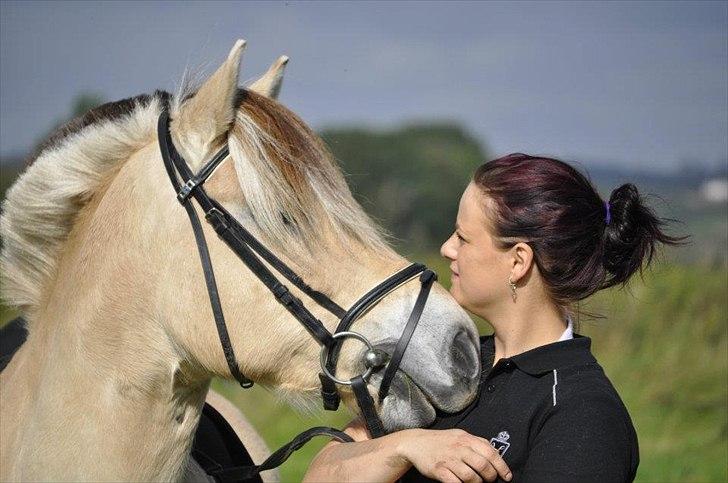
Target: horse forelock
column 292, row 184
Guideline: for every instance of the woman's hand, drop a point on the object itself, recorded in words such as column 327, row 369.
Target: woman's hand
column 453, row 455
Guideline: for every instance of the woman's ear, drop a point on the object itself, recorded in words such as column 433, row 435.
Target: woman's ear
column 521, row 259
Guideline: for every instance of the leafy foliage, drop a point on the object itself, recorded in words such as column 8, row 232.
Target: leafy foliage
column 411, row 178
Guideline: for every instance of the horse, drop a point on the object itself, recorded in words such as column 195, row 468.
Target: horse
column 100, row 259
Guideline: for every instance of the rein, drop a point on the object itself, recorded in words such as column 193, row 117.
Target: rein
column 250, row 250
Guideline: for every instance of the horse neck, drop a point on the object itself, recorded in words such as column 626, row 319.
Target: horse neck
column 100, row 389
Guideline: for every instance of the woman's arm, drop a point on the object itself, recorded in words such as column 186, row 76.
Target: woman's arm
column 365, row 460
column 447, row 455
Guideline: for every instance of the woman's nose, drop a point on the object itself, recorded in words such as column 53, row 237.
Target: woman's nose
column 447, row 250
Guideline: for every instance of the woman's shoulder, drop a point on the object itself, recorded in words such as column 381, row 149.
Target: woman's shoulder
column 583, row 416
column 587, row 391
column 582, row 395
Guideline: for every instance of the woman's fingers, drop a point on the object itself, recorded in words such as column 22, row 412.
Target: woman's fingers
column 480, row 465
column 463, row 472
column 454, row 453
column 444, row 475
column 483, row 447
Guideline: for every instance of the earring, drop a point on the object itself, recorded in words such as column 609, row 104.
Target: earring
column 513, row 287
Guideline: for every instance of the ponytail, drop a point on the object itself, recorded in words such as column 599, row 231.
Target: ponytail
column 631, row 236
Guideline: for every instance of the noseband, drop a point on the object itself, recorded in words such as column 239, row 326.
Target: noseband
column 251, row 251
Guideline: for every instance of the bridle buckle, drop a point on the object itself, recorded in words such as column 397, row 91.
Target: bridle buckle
column 186, row 191
column 217, row 219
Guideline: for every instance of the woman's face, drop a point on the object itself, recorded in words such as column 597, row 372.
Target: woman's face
column 479, row 268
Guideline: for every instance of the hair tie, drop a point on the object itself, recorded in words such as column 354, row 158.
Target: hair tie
column 608, row 218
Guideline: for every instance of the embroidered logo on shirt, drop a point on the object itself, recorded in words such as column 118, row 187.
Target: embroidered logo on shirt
column 500, row 442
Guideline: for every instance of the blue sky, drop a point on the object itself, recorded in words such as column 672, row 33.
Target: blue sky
column 639, row 84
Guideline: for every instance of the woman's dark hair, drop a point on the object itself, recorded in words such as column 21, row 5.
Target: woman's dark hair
column 581, row 243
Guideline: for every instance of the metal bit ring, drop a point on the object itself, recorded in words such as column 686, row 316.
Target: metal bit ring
column 325, row 356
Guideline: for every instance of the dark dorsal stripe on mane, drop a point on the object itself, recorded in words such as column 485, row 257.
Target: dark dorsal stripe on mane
column 295, row 141
column 111, row 111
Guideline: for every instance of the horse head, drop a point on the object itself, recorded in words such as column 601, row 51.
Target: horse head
column 283, row 186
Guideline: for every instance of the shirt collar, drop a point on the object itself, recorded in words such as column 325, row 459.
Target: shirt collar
column 546, row 358
column 569, row 332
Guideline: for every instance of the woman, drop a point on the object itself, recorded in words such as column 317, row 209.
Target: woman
column 532, row 238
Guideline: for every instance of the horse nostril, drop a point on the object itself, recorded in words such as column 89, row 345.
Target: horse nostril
column 464, row 356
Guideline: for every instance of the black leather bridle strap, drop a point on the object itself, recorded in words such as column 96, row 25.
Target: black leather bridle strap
column 371, row 298
column 222, row 222
column 246, row 237
column 427, row 278
column 212, row 292
column 366, row 404
column 244, row 473
column 193, row 188
column 377, row 293
column 222, row 331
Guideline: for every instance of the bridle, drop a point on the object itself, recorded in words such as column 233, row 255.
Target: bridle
column 250, row 250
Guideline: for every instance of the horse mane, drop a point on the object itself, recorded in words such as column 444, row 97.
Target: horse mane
column 63, row 174
column 289, row 180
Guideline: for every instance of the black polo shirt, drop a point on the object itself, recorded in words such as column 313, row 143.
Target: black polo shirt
column 552, row 414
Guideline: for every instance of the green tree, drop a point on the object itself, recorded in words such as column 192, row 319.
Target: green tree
column 410, row 178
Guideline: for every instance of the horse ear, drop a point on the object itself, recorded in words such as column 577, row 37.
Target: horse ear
column 202, row 119
column 269, row 85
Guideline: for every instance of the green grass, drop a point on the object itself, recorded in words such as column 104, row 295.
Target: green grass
column 6, row 314
column 665, row 347
column 663, row 343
